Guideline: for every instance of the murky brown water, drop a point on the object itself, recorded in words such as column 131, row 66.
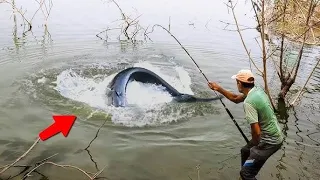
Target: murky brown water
column 157, row 143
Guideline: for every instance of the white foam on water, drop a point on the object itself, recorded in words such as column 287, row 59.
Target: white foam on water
column 82, row 89
column 146, row 94
column 42, row 80
column 145, row 100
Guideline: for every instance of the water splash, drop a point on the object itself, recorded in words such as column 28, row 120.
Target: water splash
column 182, row 82
column 146, row 101
column 146, row 94
column 82, row 89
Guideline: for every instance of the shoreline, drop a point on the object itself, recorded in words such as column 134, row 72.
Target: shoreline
column 294, row 25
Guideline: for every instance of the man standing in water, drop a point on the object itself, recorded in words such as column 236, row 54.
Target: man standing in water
column 266, row 135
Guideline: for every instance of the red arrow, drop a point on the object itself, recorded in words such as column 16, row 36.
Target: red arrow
column 62, row 124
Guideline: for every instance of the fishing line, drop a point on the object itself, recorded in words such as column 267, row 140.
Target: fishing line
column 234, row 121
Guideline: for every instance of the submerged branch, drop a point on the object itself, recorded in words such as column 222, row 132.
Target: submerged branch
column 38, row 164
column 19, row 11
column 63, row 166
column 106, row 31
column 43, row 162
column 24, row 18
column 98, row 173
column 22, row 156
column 126, row 25
column 87, row 148
column 25, row 168
column 91, row 158
column 96, row 134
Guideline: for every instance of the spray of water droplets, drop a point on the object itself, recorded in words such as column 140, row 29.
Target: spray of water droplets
column 146, row 101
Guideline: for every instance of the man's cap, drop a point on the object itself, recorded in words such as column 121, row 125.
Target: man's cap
column 244, row 75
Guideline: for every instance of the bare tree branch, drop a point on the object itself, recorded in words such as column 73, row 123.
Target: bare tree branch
column 38, row 164
column 311, row 10
column 126, row 26
column 314, row 68
column 19, row 11
column 244, row 45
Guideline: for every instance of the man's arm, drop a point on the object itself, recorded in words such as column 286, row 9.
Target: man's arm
column 251, row 115
column 236, row 98
column 255, row 133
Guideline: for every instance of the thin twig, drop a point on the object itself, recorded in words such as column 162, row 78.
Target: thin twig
column 99, row 172
column 264, row 54
column 96, row 165
column 282, row 43
column 292, row 103
column 311, row 8
column 91, row 158
column 40, row 6
column 126, row 26
column 19, row 11
column 289, row 80
column 198, row 171
column 308, row 145
column 25, row 168
column 96, row 134
column 46, row 158
column 22, row 156
column 106, row 31
column 244, row 45
column 63, row 166
column 238, row 29
column 145, row 34
column 300, row 8
column 15, row 166
column 43, row 176
column 227, row 24
column 38, row 164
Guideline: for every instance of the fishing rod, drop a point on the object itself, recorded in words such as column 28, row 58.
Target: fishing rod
column 234, row 121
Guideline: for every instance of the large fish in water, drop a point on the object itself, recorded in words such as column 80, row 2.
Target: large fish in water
column 119, row 84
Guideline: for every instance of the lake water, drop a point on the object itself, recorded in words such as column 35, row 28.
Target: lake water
column 66, row 69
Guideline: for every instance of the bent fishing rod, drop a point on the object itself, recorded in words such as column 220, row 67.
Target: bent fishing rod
column 234, row 121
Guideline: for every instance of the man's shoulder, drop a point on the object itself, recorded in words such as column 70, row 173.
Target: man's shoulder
column 256, row 96
column 256, row 92
column 253, row 93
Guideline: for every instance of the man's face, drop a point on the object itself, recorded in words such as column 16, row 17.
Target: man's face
column 239, row 86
